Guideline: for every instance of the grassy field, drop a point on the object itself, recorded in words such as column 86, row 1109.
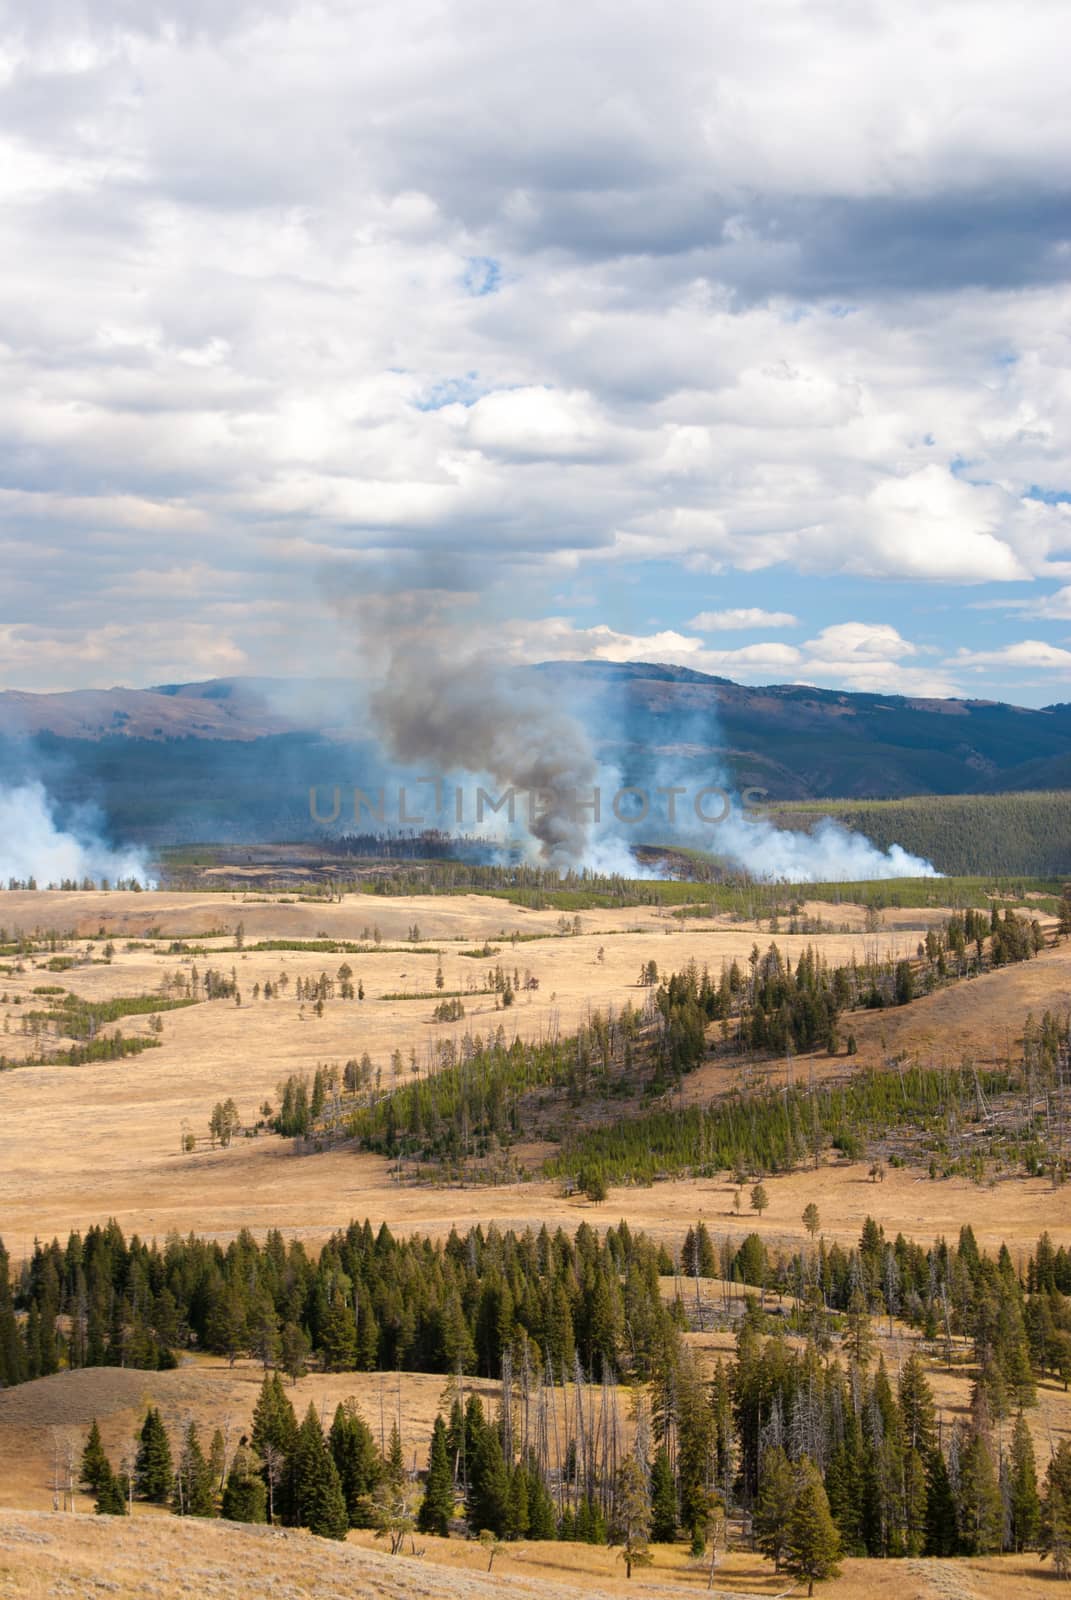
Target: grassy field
column 84, row 1143
column 91, row 1141
column 45, row 1555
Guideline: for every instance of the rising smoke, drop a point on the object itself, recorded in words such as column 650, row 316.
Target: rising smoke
column 830, row 853
column 442, row 703
column 33, row 846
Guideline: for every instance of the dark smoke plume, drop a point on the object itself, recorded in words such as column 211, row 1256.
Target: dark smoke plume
column 443, row 701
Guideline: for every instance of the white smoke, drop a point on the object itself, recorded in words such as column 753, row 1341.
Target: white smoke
column 440, row 698
column 831, row 853
column 742, row 836
column 32, row 845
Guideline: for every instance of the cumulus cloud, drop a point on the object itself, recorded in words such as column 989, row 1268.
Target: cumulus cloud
column 1029, row 653
column 742, row 619
column 291, row 287
column 1054, row 607
column 871, row 657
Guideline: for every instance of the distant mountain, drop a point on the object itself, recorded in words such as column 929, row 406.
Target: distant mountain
column 234, row 758
column 805, row 743
column 222, row 708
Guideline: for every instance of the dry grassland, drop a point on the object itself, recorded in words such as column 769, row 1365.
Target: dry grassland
column 46, row 1555
column 84, row 1143
column 87, row 1142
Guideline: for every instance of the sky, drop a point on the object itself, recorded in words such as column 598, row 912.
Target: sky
column 736, row 337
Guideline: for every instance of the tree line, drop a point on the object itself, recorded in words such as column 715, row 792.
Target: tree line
column 810, row 1448
column 367, row 1302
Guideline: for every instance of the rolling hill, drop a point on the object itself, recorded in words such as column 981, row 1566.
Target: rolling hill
column 234, row 758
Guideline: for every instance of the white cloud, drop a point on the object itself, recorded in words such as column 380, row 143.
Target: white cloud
column 741, row 618
column 1028, row 653
column 1055, row 607
column 99, row 658
column 852, row 655
column 860, row 641
column 527, row 294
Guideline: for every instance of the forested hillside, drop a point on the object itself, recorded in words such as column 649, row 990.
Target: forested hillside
column 800, row 1434
column 962, row 834
column 234, row 759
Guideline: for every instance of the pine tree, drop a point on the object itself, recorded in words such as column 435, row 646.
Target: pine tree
column 438, row 1504
column 774, row 1507
column 112, row 1495
column 273, row 1438
column 1024, row 1501
column 858, row 1338
column 1056, row 1511
column 152, row 1468
column 982, row 1507
column 632, row 1508
column 542, row 1516
column 517, row 1504
column 1058, row 1533
column 663, row 1499
column 294, row 1351
column 393, row 1468
column 317, row 1502
column 274, row 1421
column 590, row 1522
column 917, row 1409
column 695, row 1448
column 812, row 1545
column 245, row 1499
column 338, row 1335
column 95, row 1464
column 357, row 1462
column 942, row 1537
column 194, row 1492
column 217, row 1460
column 915, row 1503
column 487, row 1504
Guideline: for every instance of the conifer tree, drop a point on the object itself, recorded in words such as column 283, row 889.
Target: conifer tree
column 773, row 1509
column 812, row 1545
column 194, row 1492
column 942, row 1538
column 695, row 1448
column 517, row 1519
column 317, row 1502
column 663, row 1499
column 438, row 1504
column 95, row 1464
column 294, row 1351
column 112, row 1495
column 917, row 1409
column 245, row 1499
column 273, row 1438
column 338, row 1335
column 632, row 1508
column 487, row 1504
column 542, row 1522
column 217, row 1460
column 858, row 1337
column 982, row 1507
column 357, row 1462
column 152, row 1466
column 1024, row 1502
column 1056, row 1511
column 393, row 1468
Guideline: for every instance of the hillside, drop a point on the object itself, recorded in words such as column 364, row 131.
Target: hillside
column 45, row 1554
column 234, row 759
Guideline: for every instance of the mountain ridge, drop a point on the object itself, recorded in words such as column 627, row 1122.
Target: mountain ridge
column 230, row 758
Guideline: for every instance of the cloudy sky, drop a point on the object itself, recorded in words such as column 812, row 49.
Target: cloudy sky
column 736, row 336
